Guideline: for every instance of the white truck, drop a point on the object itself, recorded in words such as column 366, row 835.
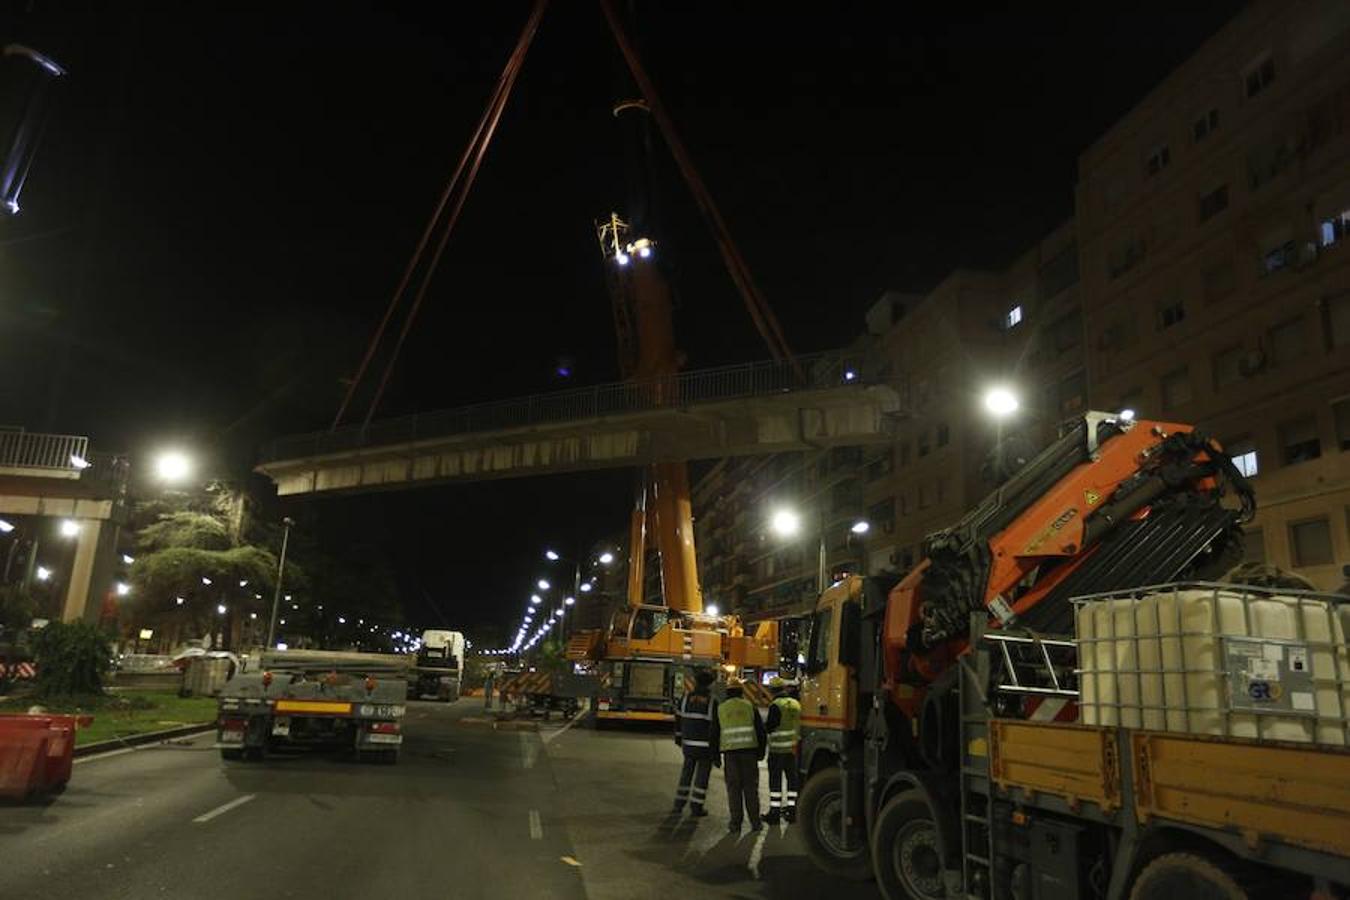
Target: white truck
column 440, row 667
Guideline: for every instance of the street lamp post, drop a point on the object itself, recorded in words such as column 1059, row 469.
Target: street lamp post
column 281, row 574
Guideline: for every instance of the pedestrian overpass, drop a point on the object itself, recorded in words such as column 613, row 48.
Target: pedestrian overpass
column 816, row 402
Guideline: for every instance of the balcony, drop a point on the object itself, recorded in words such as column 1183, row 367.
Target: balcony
column 36, row 455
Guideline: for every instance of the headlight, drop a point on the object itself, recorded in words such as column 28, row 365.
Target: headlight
column 367, row 710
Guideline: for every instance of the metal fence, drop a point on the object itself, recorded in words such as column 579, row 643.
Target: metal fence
column 617, row 398
column 32, row 450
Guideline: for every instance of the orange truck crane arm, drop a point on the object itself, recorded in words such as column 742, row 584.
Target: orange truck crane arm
column 1114, row 503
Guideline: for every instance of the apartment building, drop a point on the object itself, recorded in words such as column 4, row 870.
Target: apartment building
column 1214, row 234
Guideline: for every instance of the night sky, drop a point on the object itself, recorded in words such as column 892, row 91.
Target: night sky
column 227, row 194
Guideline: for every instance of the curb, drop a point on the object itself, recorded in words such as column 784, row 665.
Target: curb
column 147, row 737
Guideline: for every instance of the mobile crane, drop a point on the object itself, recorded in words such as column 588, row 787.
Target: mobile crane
column 908, row 735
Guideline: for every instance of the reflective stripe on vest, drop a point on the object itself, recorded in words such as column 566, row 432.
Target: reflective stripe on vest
column 783, row 739
column 695, row 720
column 736, row 717
column 684, row 710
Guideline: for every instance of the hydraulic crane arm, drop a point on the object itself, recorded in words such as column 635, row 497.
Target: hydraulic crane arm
column 1113, row 504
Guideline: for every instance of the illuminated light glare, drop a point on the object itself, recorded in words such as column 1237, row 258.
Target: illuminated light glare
column 569, row 600
column 342, row 620
column 711, row 609
column 220, row 608
column 178, row 601
column 543, row 584
column 785, row 523
column 644, row 251
column 850, row 374
column 79, row 462
column 861, row 527
column 43, row 573
column 128, row 560
column 7, row 527
column 1000, row 402
column 1126, row 415
column 69, row 528
column 123, row 589
column 172, row 466
column 550, row 555
column 281, row 645
column 255, row 615
column 587, row 588
column 243, row 582
column 621, row 258
column 206, row 581
column 606, row 558
column 536, row 599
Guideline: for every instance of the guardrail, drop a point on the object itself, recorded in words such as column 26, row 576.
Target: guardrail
column 21, row 449
column 699, row 386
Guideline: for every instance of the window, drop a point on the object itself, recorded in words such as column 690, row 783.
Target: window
column 1253, row 545
column 882, row 466
column 1286, row 342
column 1126, row 256
column 1338, row 320
column 925, row 497
column 1266, row 161
column 942, row 489
column 1157, row 159
column 820, row 640
column 1176, row 389
column 1243, row 453
column 1067, row 332
column 882, row 515
column 924, row 446
column 1072, row 393
column 1278, row 257
column 1341, row 410
column 1118, row 334
column 1213, row 203
column 1060, row 272
column 1335, row 228
column 1171, row 312
column 1012, row 318
column 1259, row 76
column 1227, row 366
column 1311, row 542
column 904, row 453
column 903, row 500
column 1206, row 125
column 943, row 435
column 1299, row 441
column 1216, row 281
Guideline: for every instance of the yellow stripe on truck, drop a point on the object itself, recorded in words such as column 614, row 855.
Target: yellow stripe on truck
column 640, row 716
column 330, row 707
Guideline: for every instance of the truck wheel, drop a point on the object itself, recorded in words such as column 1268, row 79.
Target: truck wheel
column 1192, row 876
column 232, row 754
column 819, row 809
column 253, row 754
column 905, row 850
column 388, row 757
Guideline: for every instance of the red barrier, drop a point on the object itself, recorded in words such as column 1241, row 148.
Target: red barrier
column 36, row 753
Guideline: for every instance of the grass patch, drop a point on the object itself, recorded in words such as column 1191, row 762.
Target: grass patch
column 124, row 712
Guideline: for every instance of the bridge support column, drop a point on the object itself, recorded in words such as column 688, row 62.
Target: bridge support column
column 91, row 574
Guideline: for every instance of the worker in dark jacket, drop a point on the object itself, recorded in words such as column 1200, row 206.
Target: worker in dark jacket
column 696, row 734
column 784, row 727
column 742, row 740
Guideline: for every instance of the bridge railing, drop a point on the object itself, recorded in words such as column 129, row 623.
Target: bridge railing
column 617, row 398
column 43, row 454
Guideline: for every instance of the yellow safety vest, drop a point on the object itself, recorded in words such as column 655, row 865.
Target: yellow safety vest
column 736, row 717
column 783, row 739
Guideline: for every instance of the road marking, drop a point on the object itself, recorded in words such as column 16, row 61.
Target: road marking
column 119, row 752
column 553, row 734
column 757, row 852
column 526, row 757
column 221, row 810
column 536, row 826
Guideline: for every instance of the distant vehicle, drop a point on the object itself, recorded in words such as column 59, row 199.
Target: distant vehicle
column 315, row 698
column 440, row 667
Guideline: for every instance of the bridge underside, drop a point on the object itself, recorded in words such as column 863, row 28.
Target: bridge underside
column 799, row 420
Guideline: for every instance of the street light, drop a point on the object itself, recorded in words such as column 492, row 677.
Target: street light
column 711, row 609
column 172, row 466
column 551, row 556
column 536, row 599
column 543, row 584
column 606, row 558
column 220, row 608
column 206, row 581
column 43, row 573
column 786, row 523
column 128, row 560
column 587, row 587
column 861, row 527
column 1000, row 402
column 1125, row 415
column 287, row 522
column 6, row 527
column 123, row 589
column 569, row 600
column 69, row 528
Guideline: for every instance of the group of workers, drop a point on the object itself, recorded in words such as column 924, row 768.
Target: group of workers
column 731, row 735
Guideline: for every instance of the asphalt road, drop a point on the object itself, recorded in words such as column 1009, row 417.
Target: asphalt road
column 470, row 811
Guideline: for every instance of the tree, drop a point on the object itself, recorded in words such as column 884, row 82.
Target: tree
column 72, row 658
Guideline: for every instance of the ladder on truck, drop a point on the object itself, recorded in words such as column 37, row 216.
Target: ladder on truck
column 1015, row 675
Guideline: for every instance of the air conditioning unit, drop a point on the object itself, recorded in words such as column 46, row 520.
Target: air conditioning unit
column 1252, row 362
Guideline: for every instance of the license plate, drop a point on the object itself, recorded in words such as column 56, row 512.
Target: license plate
column 376, row 738
column 231, row 737
column 281, row 727
column 604, row 705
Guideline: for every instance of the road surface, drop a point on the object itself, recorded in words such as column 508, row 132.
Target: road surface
column 470, row 811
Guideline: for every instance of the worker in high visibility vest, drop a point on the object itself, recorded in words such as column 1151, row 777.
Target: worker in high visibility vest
column 742, row 740
column 696, row 734
column 784, row 725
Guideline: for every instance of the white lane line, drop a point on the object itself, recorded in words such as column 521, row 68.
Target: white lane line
column 757, row 853
column 119, row 752
column 536, row 826
column 553, row 734
column 224, row 808
column 526, row 757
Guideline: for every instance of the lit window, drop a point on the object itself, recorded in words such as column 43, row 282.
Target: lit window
column 1013, row 317
column 1335, row 228
column 1259, row 76
column 1157, row 159
column 1206, row 125
column 1243, row 453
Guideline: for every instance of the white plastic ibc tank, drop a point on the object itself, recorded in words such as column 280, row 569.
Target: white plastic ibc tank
column 1157, row 661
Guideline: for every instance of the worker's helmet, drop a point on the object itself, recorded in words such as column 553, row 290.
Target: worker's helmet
column 735, row 687
column 778, row 683
column 704, row 677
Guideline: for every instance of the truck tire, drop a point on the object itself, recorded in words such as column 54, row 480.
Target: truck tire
column 232, row 755
column 905, row 850
column 1193, row 876
column 818, row 810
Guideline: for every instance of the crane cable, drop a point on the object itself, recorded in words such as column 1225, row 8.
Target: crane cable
column 475, row 149
column 760, row 312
